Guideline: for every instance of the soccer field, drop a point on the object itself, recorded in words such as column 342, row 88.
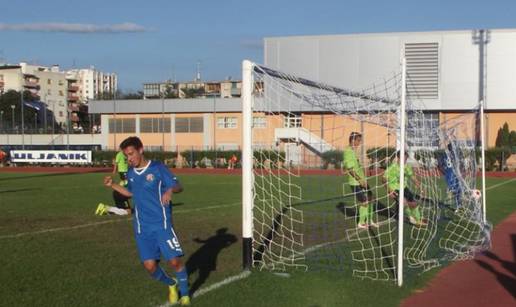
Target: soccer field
column 56, row 252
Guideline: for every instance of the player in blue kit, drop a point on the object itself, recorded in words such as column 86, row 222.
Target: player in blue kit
column 151, row 185
column 448, row 167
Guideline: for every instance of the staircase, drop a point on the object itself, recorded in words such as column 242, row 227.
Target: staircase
column 302, row 135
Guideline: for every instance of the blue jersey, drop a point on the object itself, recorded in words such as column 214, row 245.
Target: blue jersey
column 147, row 186
column 446, row 164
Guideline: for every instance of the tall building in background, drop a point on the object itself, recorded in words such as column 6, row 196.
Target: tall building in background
column 61, row 91
column 94, row 84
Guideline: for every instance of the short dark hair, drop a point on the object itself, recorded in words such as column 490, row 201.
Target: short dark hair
column 131, row 141
column 354, row 135
column 398, row 152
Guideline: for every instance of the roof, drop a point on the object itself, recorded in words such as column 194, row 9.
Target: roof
column 10, row 66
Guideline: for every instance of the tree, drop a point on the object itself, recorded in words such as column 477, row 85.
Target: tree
column 169, row 92
column 512, row 139
column 132, row 95
column 192, row 92
column 503, row 137
column 12, row 98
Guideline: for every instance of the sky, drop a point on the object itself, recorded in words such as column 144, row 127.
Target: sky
column 156, row 40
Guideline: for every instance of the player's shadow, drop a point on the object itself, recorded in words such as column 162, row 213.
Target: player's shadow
column 204, row 259
column 507, row 281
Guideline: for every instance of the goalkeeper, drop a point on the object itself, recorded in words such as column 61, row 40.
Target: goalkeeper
column 121, row 207
column 447, row 164
column 391, row 176
column 357, row 181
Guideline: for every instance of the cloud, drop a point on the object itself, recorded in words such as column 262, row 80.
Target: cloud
column 74, row 27
column 256, row 44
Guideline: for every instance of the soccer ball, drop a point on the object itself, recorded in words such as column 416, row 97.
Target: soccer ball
column 476, row 194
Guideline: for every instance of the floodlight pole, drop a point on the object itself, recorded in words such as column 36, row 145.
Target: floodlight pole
column 247, row 164
column 482, row 144
column 402, row 171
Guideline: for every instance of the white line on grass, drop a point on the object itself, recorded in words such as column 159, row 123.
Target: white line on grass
column 246, row 274
column 23, row 234
column 217, row 285
column 500, row 184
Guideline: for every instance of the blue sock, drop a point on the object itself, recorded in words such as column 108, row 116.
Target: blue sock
column 160, row 275
column 182, row 279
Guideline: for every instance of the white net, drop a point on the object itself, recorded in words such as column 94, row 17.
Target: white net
column 325, row 179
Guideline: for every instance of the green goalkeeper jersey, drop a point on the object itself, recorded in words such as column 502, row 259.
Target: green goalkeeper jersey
column 351, row 163
column 121, row 162
column 392, row 176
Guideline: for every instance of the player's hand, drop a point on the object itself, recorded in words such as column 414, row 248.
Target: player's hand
column 363, row 184
column 165, row 199
column 108, row 181
column 393, row 194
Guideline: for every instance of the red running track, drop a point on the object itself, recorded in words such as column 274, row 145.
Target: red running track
column 487, row 280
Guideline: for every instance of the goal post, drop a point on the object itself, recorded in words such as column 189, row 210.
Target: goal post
column 321, row 166
column 247, row 163
column 401, row 196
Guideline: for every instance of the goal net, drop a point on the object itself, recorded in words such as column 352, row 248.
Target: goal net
column 325, row 187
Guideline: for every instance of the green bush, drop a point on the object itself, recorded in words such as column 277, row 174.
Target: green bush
column 105, row 157
column 275, row 157
column 217, row 157
column 332, row 157
column 496, row 158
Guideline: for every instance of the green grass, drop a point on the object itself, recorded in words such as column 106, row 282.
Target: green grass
column 98, row 264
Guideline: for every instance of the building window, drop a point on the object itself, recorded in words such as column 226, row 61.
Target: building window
column 422, row 70
column 122, row 125
column 49, row 81
column 60, row 113
column 189, row 124
column 226, row 122
column 49, row 92
column 259, row 122
column 61, row 93
column 151, row 125
column 292, row 121
column 423, row 130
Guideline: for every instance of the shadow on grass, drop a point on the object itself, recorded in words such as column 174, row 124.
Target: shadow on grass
column 19, row 190
column 204, row 259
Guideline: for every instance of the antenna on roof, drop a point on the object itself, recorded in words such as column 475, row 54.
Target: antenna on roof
column 198, row 76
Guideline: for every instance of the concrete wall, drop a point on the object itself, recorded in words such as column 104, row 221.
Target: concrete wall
column 358, row 60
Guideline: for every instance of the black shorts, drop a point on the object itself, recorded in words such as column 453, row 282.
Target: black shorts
column 121, row 201
column 361, row 194
column 123, row 175
column 409, row 196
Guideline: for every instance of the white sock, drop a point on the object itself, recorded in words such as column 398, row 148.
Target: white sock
column 117, row 211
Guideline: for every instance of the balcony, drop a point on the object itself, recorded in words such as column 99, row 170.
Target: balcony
column 73, row 107
column 73, row 98
column 73, row 88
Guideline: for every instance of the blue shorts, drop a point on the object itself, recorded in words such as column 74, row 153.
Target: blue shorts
column 153, row 244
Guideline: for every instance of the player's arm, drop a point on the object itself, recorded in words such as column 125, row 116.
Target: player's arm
column 349, row 170
column 362, row 181
column 108, row 182
column 171, row 183
column 390, row 192
column 114, row 166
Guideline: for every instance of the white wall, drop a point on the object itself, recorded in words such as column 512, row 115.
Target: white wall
column 355, row 61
